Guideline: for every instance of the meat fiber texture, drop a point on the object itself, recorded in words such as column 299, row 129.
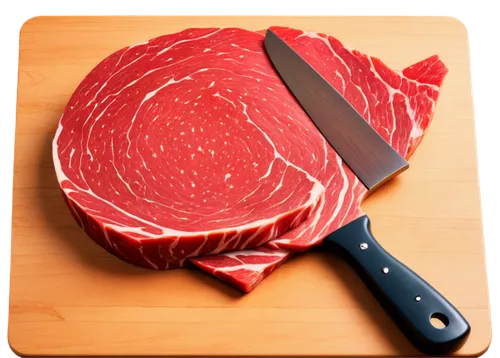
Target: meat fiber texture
column 188, row 147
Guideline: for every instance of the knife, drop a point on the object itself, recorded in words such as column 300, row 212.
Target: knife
column 410, row 300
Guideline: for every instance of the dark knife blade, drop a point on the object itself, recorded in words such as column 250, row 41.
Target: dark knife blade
column 368, row 155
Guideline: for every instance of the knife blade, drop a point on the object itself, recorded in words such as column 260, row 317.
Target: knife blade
column 410, row 300
column 368, row 155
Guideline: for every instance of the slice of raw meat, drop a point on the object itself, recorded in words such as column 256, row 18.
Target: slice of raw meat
column 398, row 105
column 187, row 145
column 136, row 147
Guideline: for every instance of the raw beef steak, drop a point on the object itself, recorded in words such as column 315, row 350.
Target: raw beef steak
column 190, row 145
column 187, row 145
column 398, row 105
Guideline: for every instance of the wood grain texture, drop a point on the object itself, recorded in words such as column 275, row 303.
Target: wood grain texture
column 70, row 297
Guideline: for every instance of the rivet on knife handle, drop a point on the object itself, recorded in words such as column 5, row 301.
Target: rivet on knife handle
column 411, row 301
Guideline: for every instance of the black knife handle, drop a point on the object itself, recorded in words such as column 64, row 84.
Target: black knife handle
column 409, row 300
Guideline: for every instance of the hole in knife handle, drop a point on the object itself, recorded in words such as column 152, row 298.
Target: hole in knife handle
column 439, row 320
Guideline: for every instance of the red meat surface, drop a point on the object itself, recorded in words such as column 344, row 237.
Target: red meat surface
column 190, row 147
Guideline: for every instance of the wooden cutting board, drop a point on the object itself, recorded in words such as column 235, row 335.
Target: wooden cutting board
column 70, row 297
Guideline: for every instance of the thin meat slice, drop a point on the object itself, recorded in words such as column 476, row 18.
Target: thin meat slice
column 398, row 105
